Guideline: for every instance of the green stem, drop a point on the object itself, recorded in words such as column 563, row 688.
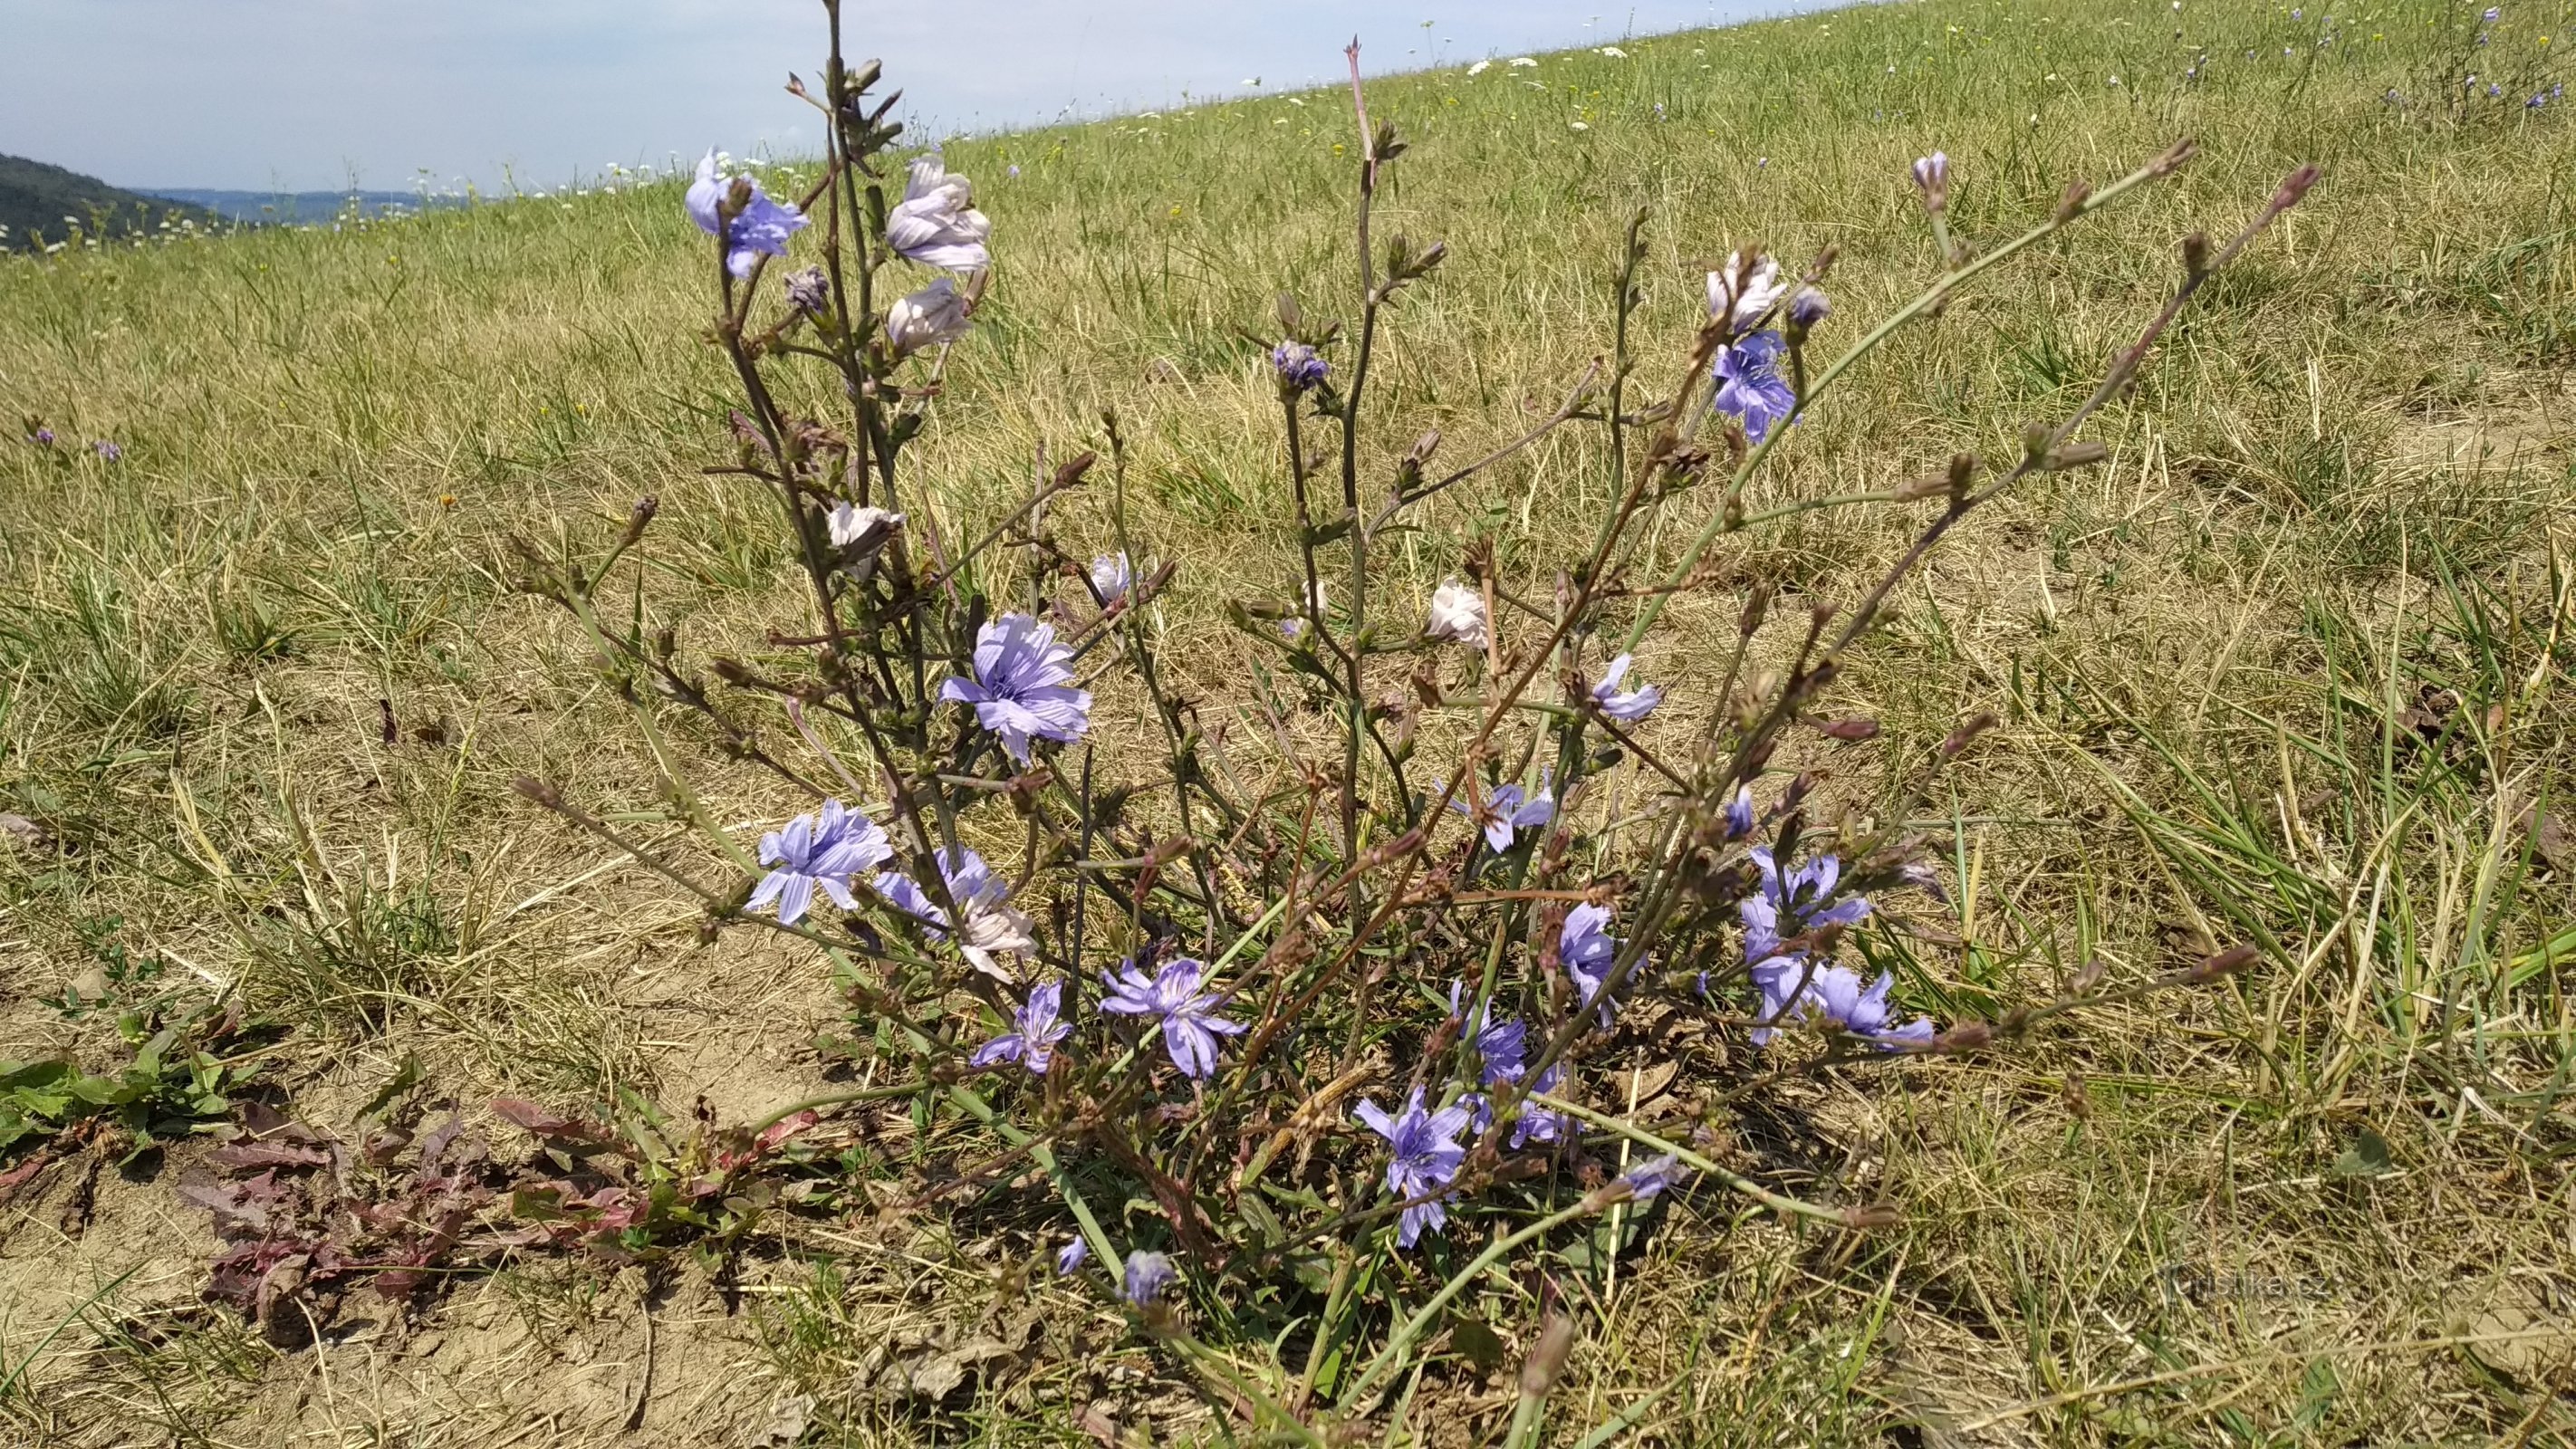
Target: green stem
column 1403, row 1338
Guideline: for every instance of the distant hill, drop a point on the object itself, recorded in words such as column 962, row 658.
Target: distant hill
column 302, row 208
column 35, row 198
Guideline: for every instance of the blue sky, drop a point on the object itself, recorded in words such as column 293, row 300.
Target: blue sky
column 307, row 94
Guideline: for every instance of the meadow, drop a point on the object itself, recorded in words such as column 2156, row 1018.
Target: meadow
column 2288, row 668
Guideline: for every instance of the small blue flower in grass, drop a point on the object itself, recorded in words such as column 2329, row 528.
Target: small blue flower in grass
column 1070, row 1258
column 1033, row 1045
column 42, row 437
column 1504, row 812
column 1649, row 1178
column 1190, row 1023
column 1799, row 900
column 763, row 226
column 1809, row 306
column 1739, row 813
column 1023, row 686
column 823, row 849
column 1502, row 1054
column 107, row 452
column 1424, row 1157
column 1630, row 707
column 1750, row 387
column 1298, row 367
column 1149, row 1276
column 1793, row 988
column 1588, row 951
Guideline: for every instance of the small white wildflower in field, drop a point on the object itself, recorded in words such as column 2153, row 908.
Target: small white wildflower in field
column 1614, row 52
column 1480, row 67
column 1523, row 60
column 1578, row 126
column 1457, row 612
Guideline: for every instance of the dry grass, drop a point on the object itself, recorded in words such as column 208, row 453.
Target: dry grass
column 2289, row 668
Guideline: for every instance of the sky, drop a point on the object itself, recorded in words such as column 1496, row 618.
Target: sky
column 312, row 94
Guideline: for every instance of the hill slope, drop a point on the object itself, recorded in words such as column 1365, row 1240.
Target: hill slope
column 41, row 203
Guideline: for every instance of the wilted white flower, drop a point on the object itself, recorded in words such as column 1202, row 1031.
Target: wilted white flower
column 1457, row 612
column 937, row 224
column 1745, row 288
column 935, row 314
column 861, row 533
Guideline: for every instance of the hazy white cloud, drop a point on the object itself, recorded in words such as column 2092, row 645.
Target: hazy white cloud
column 309, row 93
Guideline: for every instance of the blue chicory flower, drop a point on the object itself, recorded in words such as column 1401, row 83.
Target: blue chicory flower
column 1809, row 306
column 1504, row 813
column 1588, row 951
column 763, row 227
column 1033, row 1045
column 1834, row 994
column 1649, row 1178
column 1190, row 1023
column 1739, row 813
column 992, row 923
column 107, row 452
column 1626, row 708
column 1502, row 1055
column 825, row 850
column 42, row 437
column 1149, row 1276
column 1800, row 899
column 1423, row 1157
column 1023, row 686
column 1750, row 387
column 1070, row 1258
column 1298, row 366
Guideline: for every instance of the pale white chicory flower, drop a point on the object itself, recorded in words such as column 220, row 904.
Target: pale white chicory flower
column 1746, row 287
column 1457, row 612
column 937, row 313
column 937, row 224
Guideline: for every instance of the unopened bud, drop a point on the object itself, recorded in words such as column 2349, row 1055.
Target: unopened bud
column 1960, row 737
column 2088, row 978
column 2070, row 203
column 637, row 517
column 1547, row 1358
column 1871, row 1215
column 2034, row 445
column 2225, row 963
column 1967, row 1036
column 2295, row 186
column 539, row 791
column 1850, row 729
column 1756, row 604
column 2195, row 253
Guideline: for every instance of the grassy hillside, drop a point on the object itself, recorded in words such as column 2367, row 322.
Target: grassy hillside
column 42, row 204
column 2291, row 667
